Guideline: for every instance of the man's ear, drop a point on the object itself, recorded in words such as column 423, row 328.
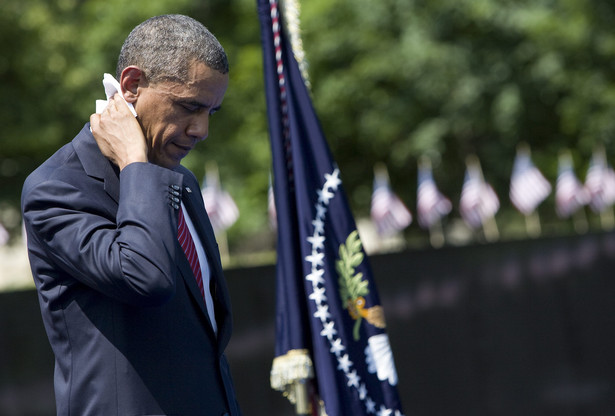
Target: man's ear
column 131, row 79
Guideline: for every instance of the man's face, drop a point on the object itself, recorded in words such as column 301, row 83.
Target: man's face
column 175, row 116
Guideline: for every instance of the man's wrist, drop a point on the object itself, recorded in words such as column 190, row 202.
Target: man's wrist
column 133, row 160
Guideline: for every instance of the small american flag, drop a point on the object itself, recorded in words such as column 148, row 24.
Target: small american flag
column 570, row 194
column 478, row 200
column 528, row 187
column 388, row 212
column 220, row 206
column 431, row 205
column 600, row 183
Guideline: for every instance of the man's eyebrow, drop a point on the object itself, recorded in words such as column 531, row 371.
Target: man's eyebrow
column 199, row 104
column 193, row 103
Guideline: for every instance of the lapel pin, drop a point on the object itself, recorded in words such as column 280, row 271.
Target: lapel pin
column 188, row 189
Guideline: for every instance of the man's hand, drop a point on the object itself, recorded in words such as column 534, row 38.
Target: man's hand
column 118, row 134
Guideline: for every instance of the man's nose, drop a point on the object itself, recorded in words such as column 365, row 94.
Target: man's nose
column 199, row 127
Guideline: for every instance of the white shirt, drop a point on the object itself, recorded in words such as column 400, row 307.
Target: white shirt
column 209, row 301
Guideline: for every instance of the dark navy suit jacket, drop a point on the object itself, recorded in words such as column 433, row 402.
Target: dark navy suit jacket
column 122, row 310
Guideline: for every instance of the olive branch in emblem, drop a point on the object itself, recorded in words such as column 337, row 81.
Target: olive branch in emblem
column 352, row 286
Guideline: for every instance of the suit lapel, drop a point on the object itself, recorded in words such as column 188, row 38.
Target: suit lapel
column 188, row 276
column 193, row 202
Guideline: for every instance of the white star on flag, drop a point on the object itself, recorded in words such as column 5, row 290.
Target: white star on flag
column 337, row 347
column 344, row 363
column 333, row 180
column 322, row 312
column 353, row 379
column 328, row 330
column 315, row 258
column 318, row 296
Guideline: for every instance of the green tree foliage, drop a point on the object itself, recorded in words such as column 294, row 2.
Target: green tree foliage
column 51, row 65
column 391, row 80
column 396, row 79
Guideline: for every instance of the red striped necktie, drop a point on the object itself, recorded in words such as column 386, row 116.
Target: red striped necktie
column 185, row 240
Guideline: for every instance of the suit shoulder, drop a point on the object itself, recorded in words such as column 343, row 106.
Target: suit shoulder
column 49, row 168
column 62, row 165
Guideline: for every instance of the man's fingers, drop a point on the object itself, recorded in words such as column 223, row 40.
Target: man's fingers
column 119, row 103
column 94, row 121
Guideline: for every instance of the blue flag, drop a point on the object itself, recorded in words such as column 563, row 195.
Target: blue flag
column 330, row 328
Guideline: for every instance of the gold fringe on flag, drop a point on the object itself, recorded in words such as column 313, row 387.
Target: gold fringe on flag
column 290, row 367
column 291, row 14
column 289, row 374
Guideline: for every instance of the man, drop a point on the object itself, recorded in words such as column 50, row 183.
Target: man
column 137, row 326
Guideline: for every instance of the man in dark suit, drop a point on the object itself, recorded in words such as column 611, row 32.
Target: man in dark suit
column 135, row 308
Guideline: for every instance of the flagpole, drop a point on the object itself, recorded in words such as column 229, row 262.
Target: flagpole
column 580, row 221
column 607, row 220
column 532, row 225
column 436, row 234
column 302, row 404
column 490, row 230
column 225, row 257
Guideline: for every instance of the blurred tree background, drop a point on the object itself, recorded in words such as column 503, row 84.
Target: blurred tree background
column 392, row 80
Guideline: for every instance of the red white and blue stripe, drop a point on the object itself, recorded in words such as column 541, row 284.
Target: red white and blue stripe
column 478, row 201
column 388, row 212
column 528, row 187
column 570, row 194
column 431, row 205
column 600, row 183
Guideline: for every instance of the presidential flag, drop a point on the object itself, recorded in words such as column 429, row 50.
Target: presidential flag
column 528, row 187
column 478, row 202
column 330, row 327
column 431, row 205
column 600, row 183
column 570, row 194
column 388, row 212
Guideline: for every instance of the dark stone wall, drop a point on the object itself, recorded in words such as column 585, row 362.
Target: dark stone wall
column 515, row 328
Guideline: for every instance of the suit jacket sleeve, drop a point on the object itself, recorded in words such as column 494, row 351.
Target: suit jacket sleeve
column 127, row 252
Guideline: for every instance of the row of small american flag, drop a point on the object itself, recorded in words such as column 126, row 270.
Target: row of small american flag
column 479, row 203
